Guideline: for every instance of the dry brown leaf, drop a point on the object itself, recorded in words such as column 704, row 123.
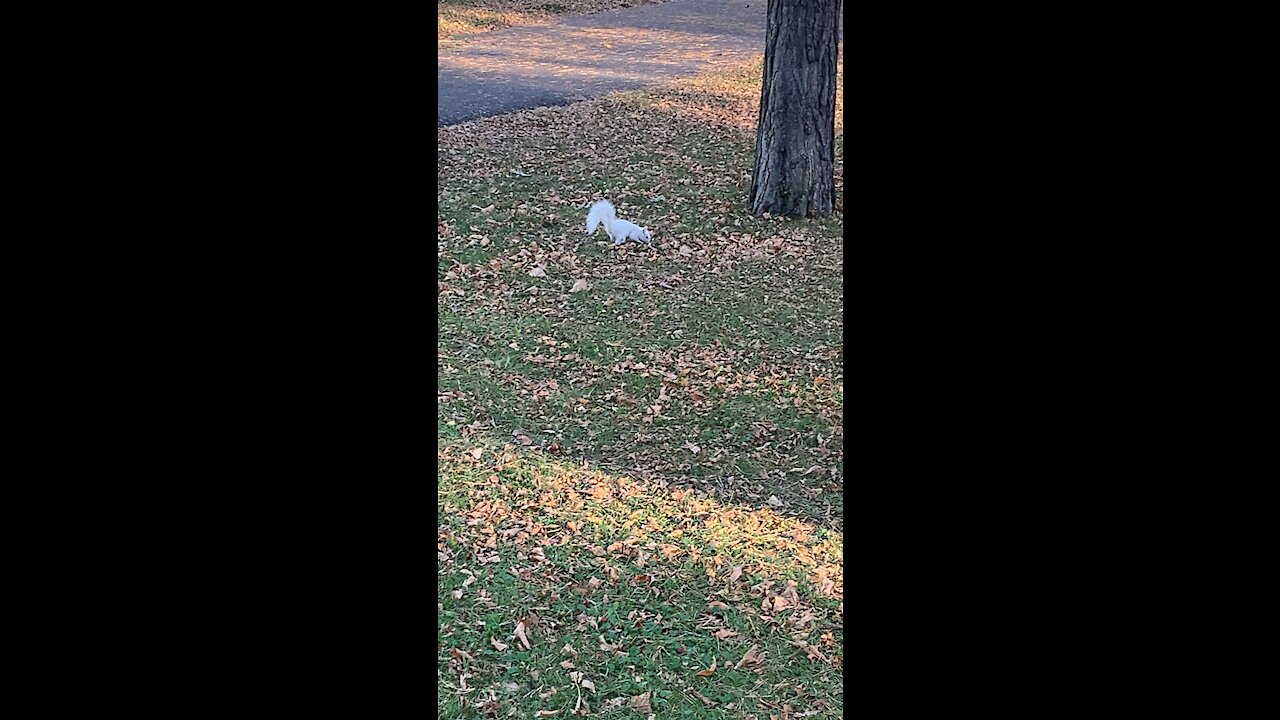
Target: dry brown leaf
column 568, row 650
column 538, row 271
column 779, row 603
column 640, row 704
column 737, row 573
column 814, row 654
column 749, row 658
column 588, row 685
column 521, row 636
column 725, row 633
column 579, row 286
column 774, row 501
column 476, row 453
column 709, row 671
column 641, row 579
column 546, row 713
column 497, row 644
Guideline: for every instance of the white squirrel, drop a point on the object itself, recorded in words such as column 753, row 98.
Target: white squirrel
column 620, row 230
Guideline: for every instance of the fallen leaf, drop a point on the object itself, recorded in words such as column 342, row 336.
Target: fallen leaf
column 641, row 579
column 779, row 603
column 737, row 573
column 749, row 658
column 498, row 644
column 640, row 703
column 546, row 713
column 579, row 286
column 709, row 671
column 701, row 697
column 589, row 685
column 725, row 633
column 567, row 664
column 814, row 654
column 476, row 453
column 568, row 650
column 538, row 271
column 520, row 634
column 487, row 210
column 718, row 605
column 774, row 501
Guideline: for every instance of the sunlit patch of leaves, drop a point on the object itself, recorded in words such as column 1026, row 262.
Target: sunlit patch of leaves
column 456, row 19
column 569, row 590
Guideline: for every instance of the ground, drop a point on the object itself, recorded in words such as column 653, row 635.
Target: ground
column 640, row 448
column 586, row 56
column 456, row 19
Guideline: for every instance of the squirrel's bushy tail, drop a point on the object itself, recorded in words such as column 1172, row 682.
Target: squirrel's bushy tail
column 601, row 212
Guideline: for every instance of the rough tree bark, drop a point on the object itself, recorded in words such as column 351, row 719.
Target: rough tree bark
column 795, row 138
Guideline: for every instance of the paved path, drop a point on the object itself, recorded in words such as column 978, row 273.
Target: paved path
column 580, row 57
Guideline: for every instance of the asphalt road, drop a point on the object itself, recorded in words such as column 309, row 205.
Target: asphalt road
column 585, row 56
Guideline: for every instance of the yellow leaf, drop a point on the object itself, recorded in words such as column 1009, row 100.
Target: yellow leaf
column 709, row 671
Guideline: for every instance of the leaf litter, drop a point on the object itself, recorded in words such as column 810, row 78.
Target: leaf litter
column 563, row 396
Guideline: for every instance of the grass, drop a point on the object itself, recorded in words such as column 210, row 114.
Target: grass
column 456, row 19
column 645, row 477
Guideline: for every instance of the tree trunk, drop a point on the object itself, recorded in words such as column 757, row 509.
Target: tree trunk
column 795, row 138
